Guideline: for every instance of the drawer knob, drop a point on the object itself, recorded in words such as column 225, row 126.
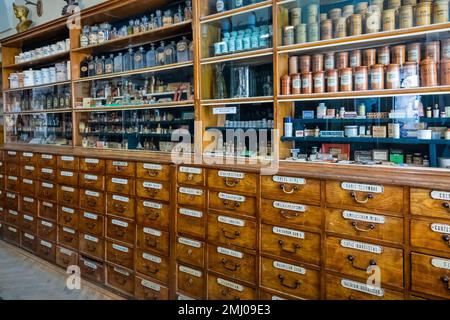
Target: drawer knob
column 289, row 214
column 151, row 242
column 293, row 286
column 288, row 189
column 153, row 173
column 46, row 230
column 189, row 253
column 370, row 227
column 120, row 280
column 151, row 269
column 190, row 282
column 446, row 281
column 91, row 166
column 231, row 204
column 227, row 292
column 91, row 248
column 229, row 182
column 150, row 295
column 90, row 225
column 67, row 218
column 119, row 169
column 92, row 203
column 68, row 238
column 230, row 266
column 446, row 238
column 295, row 247
column 118, row 258
column 361, row 201
column 230, row 235
column 190, row 177
column 119, row 188
column 65, row 261
column 446, row 205
column 119, row 208
column 119, row 232
column 152, row 215
column 352, row 259
column 67, row 198
column 152, row 192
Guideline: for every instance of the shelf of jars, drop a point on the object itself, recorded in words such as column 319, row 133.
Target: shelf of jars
column 211, row 10
column 39, row 61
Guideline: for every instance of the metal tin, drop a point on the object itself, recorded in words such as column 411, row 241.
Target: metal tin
column 423, row 13
column 288, row 35
column 307, row 83
column 406, row 17
column 355, row 58
column 398, row 54
column 332, row 80
column 305, row 63
column 335, row 13
column 433, row 50
column 286, row 85
column 341, row 28
column 428, row 73
column 384, row 55
column 394, row 4
column 373, row 19
column 388, row 19
column 295, row 16
column 393, row 76
column 317, row 62
column 296, row 83
column 329, row 63
column 410, row 75
column 369, row 57
column 326, row 29
column 313, row 32
column 440, row 11
column 445, row 72
column 300, row 33
column 319, row 82
column 377, row 77
column 355, row 22
column 342, row 60
column 445, row 44
column 346, row 79
column 361, row 78
column 293, row 65
column 348, row 10
column 414, row 52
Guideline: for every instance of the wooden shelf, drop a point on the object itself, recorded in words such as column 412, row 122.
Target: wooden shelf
column 251, row 100
column 237, row 11
column 370, row 140
column 55, row 58
column 165, row 105
column 48, row 85
column 39, row 111
column 382, row 120
column 238, row 56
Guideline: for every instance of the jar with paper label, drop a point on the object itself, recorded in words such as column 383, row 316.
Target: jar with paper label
column 300, row 33
column 295, row 16
column 393, row 76
column 341, row 28
column 377, row 77
column 317, row 62
column 440, row 11
column 312, row 13
column 445, row 44
column 399, row 54
column 342, row 60
column 286, row 85
column 355, row 58
column 293, row 65
column 346, row 79
column 423, row 13
column 373, row 19
column 394, row 4
column 313, row 32
column 410, row 75
column 369, row 57
column 307, row 84
column 329, row 61
column 414, row 52
column 445, row 72
column 433, row 50
column 326, row 29
column 305, row 63
column 406, row 17
column 355, row 22
column 296, row 80
column 388, row 19
column 335, row 13
column 332, row 80
column 428, row 73
column 288, row 35
column 361, row 7
column 361, row 78
column 348, row 10
column 384, row 55
column 319, row 82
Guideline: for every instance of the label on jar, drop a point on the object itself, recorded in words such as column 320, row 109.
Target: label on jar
column 230, row 284
column 360, row 79
column 27, row 181
column 90, row 216
column 27, row 217
column 191, row 213
column 90, row 265
column 68, row 189
column 11, row 195
column 289, row 206
column 231, row 197
column 151, row 258
column 68, row 210
column 28, row 155
column 120, row 164
column 15, row 213
column 90, row 177
column 120, row 248
column 297, row 83
column 277, row 298
column 65, row 252
column 332, row 81
column 318, row 82
column 121, row 199
column 440, row 228
column 383, row 58
column 47, row 156
column 440, row 195
column 441, row 263
column 68, row 230
column 48, row 171
column 47, row 185
column 119, row 223
column 29, row 236
column 92, row 193
column 190, row 271
column 362, row 287
column 229, row 174
column 361, row 246
column 362, row 187
column 46, row 244
column 91, row 238
column 189, row 242
column 375, row 77
column 346, row 80
column 47, row 204
column 150, row 166
column 329, row 63
column 47, row 224
column 29, row 168
column 67, row 158
column 153, row 185
column 353, row 215
column 289, row 267
column 153, row 205
column 151, row 285
column 393, row 77
column 12, row 178
column 119, row 181
column 413, row 55
column 229, row 252
column 288, row 232
column 122, row 272
column 232, row 221
column 92, row 161
column 152, row 232
column 190, row 191
column 29, row 200
column 190, row 170
column 290, row 180
column 306, row 83
column 67, row 174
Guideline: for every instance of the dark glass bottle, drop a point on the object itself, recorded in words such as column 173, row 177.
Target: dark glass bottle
column 84, row 67
column 91, row 67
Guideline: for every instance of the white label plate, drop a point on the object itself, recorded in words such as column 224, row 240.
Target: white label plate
column 362, row 187
column 229, row 252
column 361, row 246
column 289, row 267
column 290, row 180
column 362, row 287
column 289, row 232
column 440, row 195
column 230, row 284
column 191, row 213
column 189, row 242
column 232, row 221
column 190, row 271
column 190, row 170
column 231, row 174
column 360, row 216
column 231, row 197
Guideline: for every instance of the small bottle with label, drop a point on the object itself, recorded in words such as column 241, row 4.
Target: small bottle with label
column 109, row 64
column 159, row 19
column 436, row 111
column 93, row 36
column 84, row 67
column 238, row 3
column 167, row 18
column 183, row 50
column 429, row 112
column 170, row 53
column 139, row 59
column 99, row 66
column 118, row 63
column 160, row 55
column 84, row 38
column 130, row 28
column 188, row 11
column 150, row 57
column 317, row 132
column 91, row 67
column 128, row 61
column 220, row 6
column 178, row 17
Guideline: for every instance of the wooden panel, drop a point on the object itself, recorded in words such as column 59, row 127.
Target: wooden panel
column 153, row 171
column 68, row 162
column 430, row 235
column 191, row 281
column 92, row 200
column 121, row 206
column 92, row 270
column 68, row 196
column 29, row 158
column 152, row 214
column 235, row 203
column 120, row 185
column 47, row 174
column 66, row 257
column 120, row 254
column 153, row 190
column 29, row 172
column 46, row 250
column 223, row 289
column 191, row 197
column 12, row 201
column 12, row 184
column 28, row 223
column 47, row 230
column 29, row 205
column 191, row 222
column 92, row 246
column 12, row 168
column 121, row 168
column 48, row 210
column 94, row 166
column 67, row 177
column 12, row 217
column 92, row 181
column 233, row 181
column 29, row 187
column 68, row 217
column 153, row 240
column 430, row 274
column 147, row 289
column 151, row 265
column 120, row 230
column 191, row 176
column 292, row 189
column 11, row 234
column 47, row 161
column 191, row 252
column 47, row 191
column 12, row 156
column 423, row 204
column 68, row 237
column 232, row 231
column 28, row 242
column 265, row 295
column 91, row 223
column 120, row 279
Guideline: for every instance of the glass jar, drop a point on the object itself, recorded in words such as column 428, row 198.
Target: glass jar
column 93, row 36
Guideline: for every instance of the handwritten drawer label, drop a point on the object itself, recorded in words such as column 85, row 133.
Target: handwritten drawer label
column 66, row 174
column 90, row 177
column 68, row 210
column 151, row 285
column 190, row 191
column 190, row 271
column 289, row 267
column 11, row 195
column 440, row 195
column 189, row 242
column 12, row 153
column 122, row 272
column 66, row 252
column 153, row 205
column 441, row 263
column 29, row 236
column 27, row 181
column 67, row 189
column 191, row 213
column 91, row 238
column 90, row 216
column 29, row 168
column 151, row 166
column 14, row 213
column 47, row 171
column 225, row 110
column 29, row 218
column 361, row 246
column 68, row 230
column 232, row 221
column 362, row 287
column 12, row 229
column 90, row 265
column 190, row 170
column 120, row 164
column 230, row 174
column 440, row 228
column 92, row 161
column 47, row 224
column 47, row 156
column 12, row 178
column 121, row 199
column 181, row 297
column 47, row 204
column 120, row 248
column 289, row 206
column 119, row 223
column 362, row 187
column 29, row 200
column 231, row 197
column 230, row 284
column 119, row 181
column 153, row 185
column 277, row 298
column 67, row 158
column 152, row 232
column 28, row 155
column 47, row 185
column 92, row 194
column 353, row 215
column 230, row 252
column 46, row 244
column 289, row 232
column 151, row 258
column 290, row 180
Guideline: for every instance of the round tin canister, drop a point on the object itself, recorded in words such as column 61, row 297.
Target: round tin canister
column 355, row 23
column 377, row 77
column 406, row 17
column 428, row 73
column 423, row 13
column 332, row 80
column 369, row 57
column 361, row 78
column 398, row 54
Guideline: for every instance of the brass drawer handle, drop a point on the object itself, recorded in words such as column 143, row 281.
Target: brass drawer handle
column 91, row 166
column 369, row 228
column 92, row 203
column 231, row 235
column 153, row 243
column 446, row 239
column 189, row 253
column 190, row 282
column 152, row 192
column 46, row 230
column 90, row 270
column 119, row 232
column 68, row 238
column 67, row 218
column 229, row 182
column 190, row 177
column 46, row 251
column 150, row 269
column 67, row 198
column 295, row 247
column 446, row 281
column 150, row 295
column 119, row 208
column 91, row 248
column 231, row 205
column 65, row 261
column 153, row 173
column 295, row 285
column 118, row 258
column 90, row 225
column 364, row 201
column 121, row 280
column 227, row 292
column 446, row 205
column 352, row 259
column 288, row 189
column 230, row 266
column 119, row 188
column 152, row 215
column 289, row 214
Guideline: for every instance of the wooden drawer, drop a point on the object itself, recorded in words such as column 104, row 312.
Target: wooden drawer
column 12, row 217
column 153, row 266
column 12, row 156
column 92, row 246
column 120, row 254
column 47, row 230
column 365, row 225
column 12, row 169
column 67, row 177
column 120, row 279
column 11, row 234
column 120, row 230
column 372, row 197
column 191, row 222
column 2, row 179
column 29, row 172
column 232, row 231
column 153, row 190
column 12, row 183
column 29, row 205
column 92, row 200
column 68, row 217
column 291, row 243
column 430, row 235
column 291, row 279
column 153, row 214
column 28, row 242
column 92, row 181
column 223, row 289
column 28, row 223
column 232, row 262
column 191, row 281
column 46, row 250
column 430, row 275
column 68, row 237
column 231, row 202
column 91, row 223
column 191, row 252
column 233, row 181
column 153, row 240
column 66, row 257
column 29, row 187
column 47, row 191
column 47, row 174
column 48, row 210
column 92, row 270
column 432, row 203
column 94, row 166
column 153, row 171
column 354, row 258
column 47, row 160
column 2, row 227
column 68, row 196
column 119, row 205
column 265, row 295
column 146, row 289
column 2, row 199
column 191, row 197
column 29, row 158
column 294, row 189
column 12, row 201
column 70, row 163
column 120, row 185
column 191, row 176
column 294, row 214
column 121, row 168
column 338, row 288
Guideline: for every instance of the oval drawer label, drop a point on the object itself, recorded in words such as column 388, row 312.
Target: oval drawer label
column 288, row 232
column 47, row 170
column 47, row 204
column 120, row 248
column 27, row 181
column 191, row 213
column 68, row 230
column 290, row 180
column 29, row 168
column 232, row 221
column 361, row 246
column 189, row 242
column 12, row 153
column 120, row 164
column 119, row 223
column 67, row 189
column 11, row 195
column 90, row 177
column 441, row 263
column 28, row 155
column 153, row 205
column 90, row 216
column 440, row 195
column 92, row 193
column 190, row 271
column 47, row 185
column 440, row 228
column 151, row 258
column 153, row 185
column 119, row 181
column 29, row 200
column 231, row 197
column 14, row 213
column 12, row 178
column 91, row 238
column 277, row 298
column 229, row 252
column 362, row 187
column 12, row 229
column 152, row 232
column 67, row 174
column 90, row 265
column 151, row 285
column 46, row 244
column 362, row 287
column 190, row 170
column 47, row 224
column 29, row 236
column 67, row 158
column 151, row 166
column 353, row 215
column 66, row 252
column 47, row 157
column 289, row 267
column 190, row 191
column 92, row 161
column 68, row 210
column 231, row 174
column 230, row 284
column 183, row 297
column 29, row 218
column 120, row 198
column 121, row 271
column 289, row 206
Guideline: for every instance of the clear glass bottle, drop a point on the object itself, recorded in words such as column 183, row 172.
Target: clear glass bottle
column 159, row 20
column 137, row 26
column 100, row 66
column 188, row 11
column 84, row 38
column 118, row 63
column 221, row 6
column 167, row 18
column 152, row 24
column 139, row 59
column 128, row 60
column 183, row 50
column 160, row 55
column 91, row 67
column 267, row 87
column 130, row 28
column 93, row 36
column 170, row 53
column 145, row 24
column 109, row 64
column 238, row 3
column 178, row 17
column 150, row 57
